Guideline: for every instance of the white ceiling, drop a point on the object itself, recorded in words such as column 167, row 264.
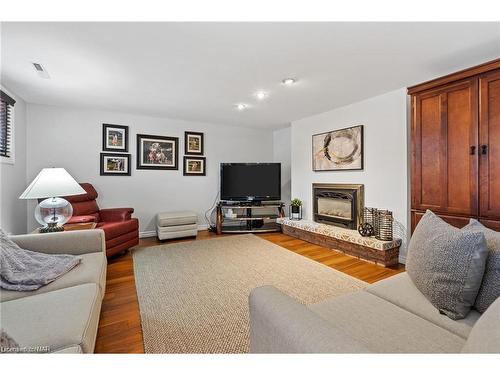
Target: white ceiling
column 199, row 71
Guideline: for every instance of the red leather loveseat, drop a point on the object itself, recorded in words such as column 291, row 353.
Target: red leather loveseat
column 120, row 229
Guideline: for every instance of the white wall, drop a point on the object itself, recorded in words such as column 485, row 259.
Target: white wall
column 13, row 175
column 282, row 154
column 72, row 138
column 385, row 155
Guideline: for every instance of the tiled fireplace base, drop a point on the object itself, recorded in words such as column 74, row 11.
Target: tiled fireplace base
column 385, row 253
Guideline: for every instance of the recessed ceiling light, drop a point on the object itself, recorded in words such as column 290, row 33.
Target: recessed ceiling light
column 241, row 106
column 261, row 95
column 289, row 81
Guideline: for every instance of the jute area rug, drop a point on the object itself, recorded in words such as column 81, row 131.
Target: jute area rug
column 193, row 296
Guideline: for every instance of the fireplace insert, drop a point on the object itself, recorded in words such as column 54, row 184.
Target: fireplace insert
column 338, row 204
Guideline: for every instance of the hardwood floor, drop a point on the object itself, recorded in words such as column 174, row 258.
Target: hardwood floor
column 120, row 324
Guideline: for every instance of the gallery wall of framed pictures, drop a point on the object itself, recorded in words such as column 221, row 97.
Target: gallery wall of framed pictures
column 153, row 152
column 194, row 145
column 114, row 160
column 157, row 152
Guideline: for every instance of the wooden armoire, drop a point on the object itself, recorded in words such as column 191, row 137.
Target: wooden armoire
column 455, row 140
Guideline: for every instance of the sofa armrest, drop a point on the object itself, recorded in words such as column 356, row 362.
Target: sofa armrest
column 279, row 324
column 72, row 242
column 116, row 214
column 82, row 219
column 485, row 334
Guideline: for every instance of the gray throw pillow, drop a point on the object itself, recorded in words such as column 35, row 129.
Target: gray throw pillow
column 446, row 264
column 490, row 287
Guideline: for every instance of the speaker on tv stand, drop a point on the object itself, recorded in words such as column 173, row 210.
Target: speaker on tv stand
column 257, row 223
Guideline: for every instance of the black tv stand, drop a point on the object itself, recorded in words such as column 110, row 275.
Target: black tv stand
column 249, row 216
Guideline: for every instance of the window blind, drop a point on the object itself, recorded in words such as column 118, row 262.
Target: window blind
column 6, row 105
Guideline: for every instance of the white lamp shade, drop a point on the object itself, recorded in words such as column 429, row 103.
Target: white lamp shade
column 52, row 182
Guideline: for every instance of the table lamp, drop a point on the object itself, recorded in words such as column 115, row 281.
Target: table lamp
column 52, row 183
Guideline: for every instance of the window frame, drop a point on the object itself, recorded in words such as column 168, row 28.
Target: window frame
column 12, row 141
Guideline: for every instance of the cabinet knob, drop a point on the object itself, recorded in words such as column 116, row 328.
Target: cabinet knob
column 472, row 150
column 484, row 149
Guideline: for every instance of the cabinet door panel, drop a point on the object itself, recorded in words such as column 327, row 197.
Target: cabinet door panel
column 490, row 137
column 432, row 158
column 462, row 134
column 445, row 129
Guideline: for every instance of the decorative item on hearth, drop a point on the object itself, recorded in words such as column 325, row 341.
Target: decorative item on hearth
column 367, row 227
column 366, row 230
column 384, row 220
column 296, row 209
column 369, row 215
column 52, row 184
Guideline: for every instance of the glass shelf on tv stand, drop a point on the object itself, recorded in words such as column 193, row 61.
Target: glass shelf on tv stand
column 249, row 212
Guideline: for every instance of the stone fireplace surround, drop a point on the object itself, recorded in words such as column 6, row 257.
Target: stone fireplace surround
column 338, row 204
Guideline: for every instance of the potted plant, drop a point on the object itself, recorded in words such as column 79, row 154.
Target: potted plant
column 296, row 207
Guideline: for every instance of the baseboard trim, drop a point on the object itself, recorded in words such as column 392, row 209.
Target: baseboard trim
column 152, row 233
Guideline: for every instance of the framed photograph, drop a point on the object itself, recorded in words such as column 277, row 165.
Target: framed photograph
column 338, row 150
column 194, row 166
column 157, row 152
column 115, row 164
column 114, row 138
column 193, row 143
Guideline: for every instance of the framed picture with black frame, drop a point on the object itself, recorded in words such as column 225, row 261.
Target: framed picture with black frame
column 193, row 143
column 157, row 152
column 115, row 164
column 195, row 166
column 114, row 138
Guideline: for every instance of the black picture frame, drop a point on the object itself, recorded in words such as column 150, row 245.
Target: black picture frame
column 361, row 155
column 103, row 171
column 106, row 146
column 195, row 158
column 186, row 143
column 140, row 164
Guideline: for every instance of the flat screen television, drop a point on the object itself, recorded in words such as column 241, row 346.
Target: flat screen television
column 250, row 181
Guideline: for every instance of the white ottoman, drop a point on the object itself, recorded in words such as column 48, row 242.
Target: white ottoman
column 176, row 224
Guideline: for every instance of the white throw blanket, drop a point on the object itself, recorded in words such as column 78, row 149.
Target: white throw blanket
column 25, row 270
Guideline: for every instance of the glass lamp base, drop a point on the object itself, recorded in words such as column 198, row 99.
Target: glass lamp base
column 52, row 213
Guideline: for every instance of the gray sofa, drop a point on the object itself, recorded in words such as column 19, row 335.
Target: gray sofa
column 390, row 316
column 62, row 316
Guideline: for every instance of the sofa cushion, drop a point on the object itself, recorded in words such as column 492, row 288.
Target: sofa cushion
column 280, row 324
column 383, row 327
column 446, row 264
column 88, row 208
column 92, row 269
column 118, row 228
column 401, row 291
column 490, row 286
column 165, row 219
column 485, row 336
column 57, row 320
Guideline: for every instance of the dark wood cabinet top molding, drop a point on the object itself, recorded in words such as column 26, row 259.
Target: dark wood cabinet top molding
column 462, row 74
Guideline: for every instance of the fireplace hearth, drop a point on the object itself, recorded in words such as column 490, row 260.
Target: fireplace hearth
column 338, row 204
